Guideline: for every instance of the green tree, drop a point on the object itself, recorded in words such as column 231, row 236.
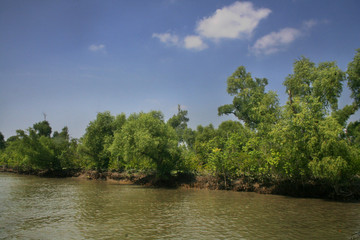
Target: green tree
column 352, row 133
column 353, row 77
column 323, row 82
column 97, row 138
column 204, row 144
column 42, row 128
column 306, row 143
column 260, row 111
column 353, row 72
column 343, row 115
column 119, row 122
column 65, row 149
column 13, row 155
column 233, row 137
column 251, row 103
column 145, row 141
column 225, row 150
column 30, row 151
column 179, row 123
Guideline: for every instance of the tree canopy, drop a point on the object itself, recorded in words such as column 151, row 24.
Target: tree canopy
column 251, row 103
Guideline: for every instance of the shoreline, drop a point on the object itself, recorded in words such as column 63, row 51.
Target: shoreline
column 350, row 192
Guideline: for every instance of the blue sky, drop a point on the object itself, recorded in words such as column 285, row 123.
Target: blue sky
column 72, row 59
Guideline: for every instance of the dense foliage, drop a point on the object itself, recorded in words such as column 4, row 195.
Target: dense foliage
column 36, row 149
column 307, row 139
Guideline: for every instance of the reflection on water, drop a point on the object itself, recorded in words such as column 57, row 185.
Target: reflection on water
column 41, row 208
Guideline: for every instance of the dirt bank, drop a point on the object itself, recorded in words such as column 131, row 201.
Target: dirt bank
column 346, row 192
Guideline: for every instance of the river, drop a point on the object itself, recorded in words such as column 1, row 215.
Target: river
column 71, row 208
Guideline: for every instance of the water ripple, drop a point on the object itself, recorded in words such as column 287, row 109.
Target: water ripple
column 39, row 208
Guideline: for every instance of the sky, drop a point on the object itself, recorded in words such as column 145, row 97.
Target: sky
column 71, row 59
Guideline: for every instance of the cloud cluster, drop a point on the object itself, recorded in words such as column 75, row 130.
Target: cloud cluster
column 237, row 21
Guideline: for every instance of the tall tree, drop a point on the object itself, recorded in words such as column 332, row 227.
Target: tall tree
column 96, row 139
column 353, row 77
column 179, row 123
column 353, row 72
column 251, row 103
column 306, row 143
column 322, row 83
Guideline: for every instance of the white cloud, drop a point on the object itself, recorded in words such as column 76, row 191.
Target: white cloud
column 194, row 42
column 238, row 20
column 189, row 42
column 167, row 38
column 235, row 21
column 275, row 41
column 97, row 48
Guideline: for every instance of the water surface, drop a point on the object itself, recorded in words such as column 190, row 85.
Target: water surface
column 43, row 208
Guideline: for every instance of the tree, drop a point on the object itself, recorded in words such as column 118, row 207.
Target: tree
column 42, row 128
column 225, row 149
column 203, row 143
column 28, row 150
column 186, row 136
column 145, row 141
column 179, row 122
column 260, row 111
column 306, row 143
column 323, row 82
column 353, row 77
column 251, row 103
column 352, row 133
column 14, row 154
column 119, row 122
column 342, row 115
column 226, row 128
column 97, row 138
column 65, row 149
column 353, row 72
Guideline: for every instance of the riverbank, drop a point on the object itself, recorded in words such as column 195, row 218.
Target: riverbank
column 348, row 192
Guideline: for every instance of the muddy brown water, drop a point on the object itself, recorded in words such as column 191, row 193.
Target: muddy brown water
column 71, row 208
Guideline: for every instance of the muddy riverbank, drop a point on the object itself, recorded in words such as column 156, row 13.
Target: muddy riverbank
column 345, row 192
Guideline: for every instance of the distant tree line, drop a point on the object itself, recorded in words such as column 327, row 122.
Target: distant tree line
column 307, row 139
